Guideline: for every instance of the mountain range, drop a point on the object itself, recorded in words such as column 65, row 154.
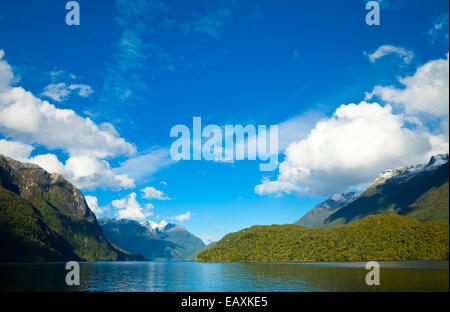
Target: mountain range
column 43, row 217
column 316, row 216
column 420, row 191
column 402, row 215
column 163, row 241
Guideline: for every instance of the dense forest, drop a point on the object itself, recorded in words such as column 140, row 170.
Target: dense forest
column 375, row 237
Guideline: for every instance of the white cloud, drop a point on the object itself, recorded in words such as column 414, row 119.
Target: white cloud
column 58, row 74
column 56, row 91
column 350, row 149
column 83, row 171
column 60, row 91
column 89, row 172
column 149, row 206
column 207, row 239
column 26, row 120
column 440, row 28
column 50, row 163
column 83, row 90
column 130, row 208
column 92, row 202
column 278, row 187
column 6, row 74
column 14, row 149
column 152, row 193
column 142, row 166
column 296, row 128
column 387, row 49
column 424, row 92
column 183, row 217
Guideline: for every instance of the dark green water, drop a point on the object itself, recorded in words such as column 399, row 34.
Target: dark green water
column 192, row 276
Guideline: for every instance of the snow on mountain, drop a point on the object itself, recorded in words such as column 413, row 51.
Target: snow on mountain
column 344, row 198
column 316, row 216
column 403, row 174
column 162, row 227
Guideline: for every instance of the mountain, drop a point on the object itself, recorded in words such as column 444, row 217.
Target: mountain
column 419, row 191
column 43, row 217
column 316, row 216
column 163, row 241
column 377, row 237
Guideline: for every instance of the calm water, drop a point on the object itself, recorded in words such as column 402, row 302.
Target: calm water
column 192, row 276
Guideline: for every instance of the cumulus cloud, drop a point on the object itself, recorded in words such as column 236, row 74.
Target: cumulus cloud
column 424, row 92
column 56, row 91
column 130, row 208
column 26, row 120
column 350, row 149
column 183, row 217
column 387, row 49
column 152, row 193
column 83, row 171
column 60, row 91
column 6, row 74
column 92, row 202
column 14, row 149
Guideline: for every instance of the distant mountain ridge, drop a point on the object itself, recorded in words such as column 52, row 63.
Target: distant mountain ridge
column 43, row 217
column 420, row 191
column 163, row 241
column 316, row 216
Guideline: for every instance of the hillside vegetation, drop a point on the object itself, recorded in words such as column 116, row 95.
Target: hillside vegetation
column 375, row 237
column 43, row 217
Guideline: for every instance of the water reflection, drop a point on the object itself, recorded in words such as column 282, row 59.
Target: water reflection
column 191, row 276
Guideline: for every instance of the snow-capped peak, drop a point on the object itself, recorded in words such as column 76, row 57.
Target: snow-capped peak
column 344, row 197
column 437, row 160
column 405, row 173
column 155, row 226
column 336, row 197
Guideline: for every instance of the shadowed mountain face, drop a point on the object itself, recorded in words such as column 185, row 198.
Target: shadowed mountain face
column 316, row 216
column 43, row 217
column 419, row 191
column 164, row 241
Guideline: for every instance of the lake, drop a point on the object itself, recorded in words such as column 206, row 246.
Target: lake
column 194, row 277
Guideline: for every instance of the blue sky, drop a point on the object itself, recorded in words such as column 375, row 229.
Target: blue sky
column 137, row 68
